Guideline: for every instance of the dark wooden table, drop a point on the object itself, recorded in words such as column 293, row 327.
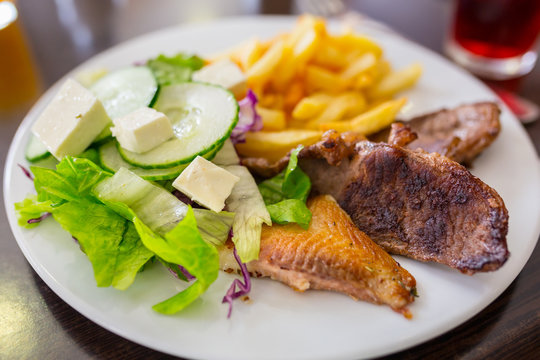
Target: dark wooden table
column 37, row 324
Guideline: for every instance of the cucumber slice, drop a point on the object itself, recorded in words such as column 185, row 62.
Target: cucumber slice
column 124, row 91
column 111, row 160
column 202, row 116
column 35, row 150
column 49, row 162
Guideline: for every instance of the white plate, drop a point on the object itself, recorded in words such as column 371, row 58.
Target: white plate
column 279, row 322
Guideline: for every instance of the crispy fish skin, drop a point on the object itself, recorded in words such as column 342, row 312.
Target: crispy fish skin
column 333, row 255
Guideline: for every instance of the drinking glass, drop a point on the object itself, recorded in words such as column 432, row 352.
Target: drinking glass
column 495, row 39
column 19, row 83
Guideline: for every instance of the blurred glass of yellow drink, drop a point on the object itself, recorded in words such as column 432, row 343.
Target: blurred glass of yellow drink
column 19, row 82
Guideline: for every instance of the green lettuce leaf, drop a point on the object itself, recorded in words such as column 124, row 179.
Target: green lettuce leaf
column 110, row 241
column 175, row 69
column 31, row 208
column 246, row 202
column 271, row 189
column 290, row 211
column 73, row 179
column 285, row 194
column 296, row 184
column 214, row 227
column 184, row 246
column 117, row 242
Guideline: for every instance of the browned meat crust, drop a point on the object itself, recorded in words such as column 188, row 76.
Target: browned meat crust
column 401, row 135
column 420, row 205
column 424, row 206
column 331, row 255
column 460, row 134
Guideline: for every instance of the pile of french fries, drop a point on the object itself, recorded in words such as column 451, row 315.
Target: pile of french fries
column 309, row 81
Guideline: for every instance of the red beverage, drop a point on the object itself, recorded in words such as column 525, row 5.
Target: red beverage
column 497, row 28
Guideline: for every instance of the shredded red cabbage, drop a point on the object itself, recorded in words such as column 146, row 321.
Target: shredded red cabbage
column 186, row 200
column 248, row 118
column 182, row 197
column 186, row 273
column 36, row 220
column 26, row 172
column 243, row 287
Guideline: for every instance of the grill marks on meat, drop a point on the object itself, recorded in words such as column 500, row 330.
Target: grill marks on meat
column 460, row 134
column 416, row 204
column 331, row 255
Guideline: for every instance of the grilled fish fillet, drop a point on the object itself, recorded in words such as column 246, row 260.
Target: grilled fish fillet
column 331, row 255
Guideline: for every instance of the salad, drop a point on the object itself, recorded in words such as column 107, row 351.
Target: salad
column 146, row 171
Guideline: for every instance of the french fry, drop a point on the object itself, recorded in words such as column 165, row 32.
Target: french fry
column 395, row 82
column 318, row 78
column 380, row 70
column 329, row 56
column 306, row 46
column 273, row 120
column 363, row 81
column 371, row 121
column 341, row 105
column 311, row 106
column 304, row 24
column 308, row 80
column 274, row 145
column 351, row 42
column 263, row 68
column 355, row 103
column 299, row 48
column 285, row 71
column 294, row 93
column 250, row 53
column 362, row 64
column 271, row 101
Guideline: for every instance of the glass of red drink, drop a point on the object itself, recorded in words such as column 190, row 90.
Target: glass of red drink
column 495, row 39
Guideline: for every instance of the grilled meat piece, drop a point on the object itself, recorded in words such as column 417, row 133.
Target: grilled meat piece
column 401, row 135
column 331, row 255
column 460, row 134
column 420, row 205
column 424, row 206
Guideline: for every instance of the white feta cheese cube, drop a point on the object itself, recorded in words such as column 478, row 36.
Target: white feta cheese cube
column 224, row 73
column 71, row 121
column 142, row 130
column 206, row 183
